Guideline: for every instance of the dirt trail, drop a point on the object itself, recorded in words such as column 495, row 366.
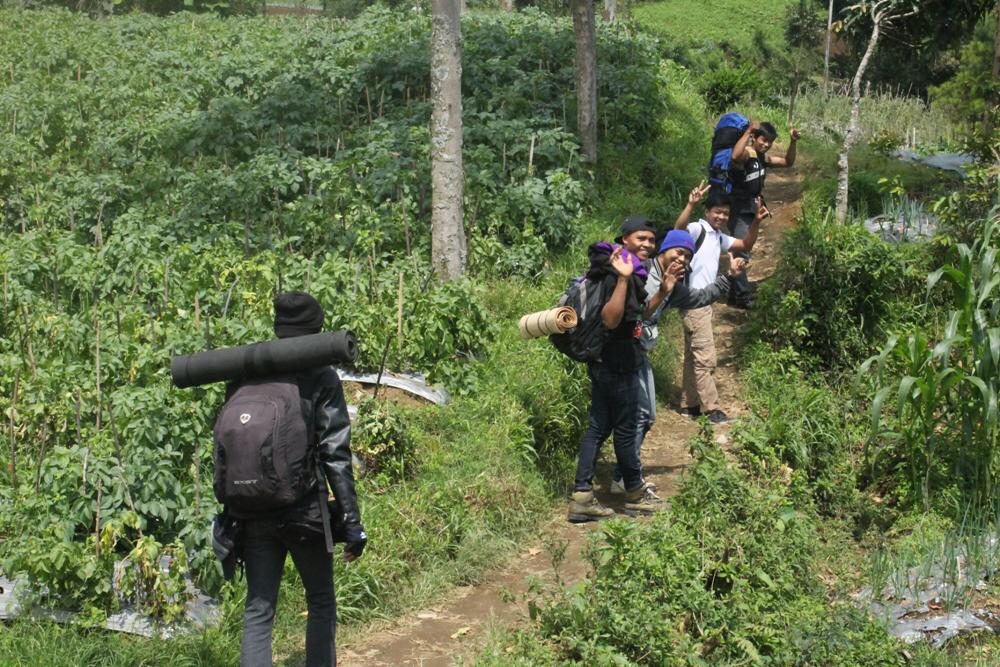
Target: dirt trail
column 458, row 624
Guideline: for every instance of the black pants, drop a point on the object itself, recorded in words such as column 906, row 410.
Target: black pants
column 740, row 219
column 264, row 554
column 614, row 410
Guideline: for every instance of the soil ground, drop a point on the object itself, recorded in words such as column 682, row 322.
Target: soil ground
column 458, row 625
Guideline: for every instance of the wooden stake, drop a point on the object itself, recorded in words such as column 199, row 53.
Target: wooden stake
column 97, row 519
column 399, row 315
column 121, row 462
column 29, row 346
column 79, row 434
column 531, row 156
column 13, row 431
column 97, row 365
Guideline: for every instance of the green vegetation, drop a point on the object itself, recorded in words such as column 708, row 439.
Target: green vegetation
column 163, row 177
column 733, row 25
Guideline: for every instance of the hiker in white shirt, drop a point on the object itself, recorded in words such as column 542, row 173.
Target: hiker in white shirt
column 700, row 394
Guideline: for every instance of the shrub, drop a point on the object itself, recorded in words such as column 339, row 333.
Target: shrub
column 837, row 291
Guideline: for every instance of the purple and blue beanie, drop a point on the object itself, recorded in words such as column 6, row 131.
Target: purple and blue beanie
column 677, row 238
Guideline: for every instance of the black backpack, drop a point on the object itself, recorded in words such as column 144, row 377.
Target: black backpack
column 263, row 461
column 586, row 340
column 728, row 131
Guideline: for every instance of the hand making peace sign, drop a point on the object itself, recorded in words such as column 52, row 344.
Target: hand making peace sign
column 699, row 191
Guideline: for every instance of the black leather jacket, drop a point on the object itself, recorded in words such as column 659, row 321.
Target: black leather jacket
column 324, row 407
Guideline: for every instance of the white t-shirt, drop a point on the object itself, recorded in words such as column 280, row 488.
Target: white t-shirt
column 705, row 263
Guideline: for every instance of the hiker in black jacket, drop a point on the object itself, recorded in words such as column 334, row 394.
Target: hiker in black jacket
column 615, row 386
column 747, row 171
column 303, row 529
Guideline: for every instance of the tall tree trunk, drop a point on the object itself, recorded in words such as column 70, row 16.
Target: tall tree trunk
column 448, row 243
column 507, row 5
column 586, row 77
column 826, row 53
column 990, row 111
column 610, row 10
column 843, row 167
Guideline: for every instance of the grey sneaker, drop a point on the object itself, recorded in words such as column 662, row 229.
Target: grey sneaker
column 584, row 507
column 718, row 417
column 617, row 487
column 643, row 501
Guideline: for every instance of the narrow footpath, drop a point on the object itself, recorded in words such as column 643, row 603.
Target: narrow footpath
column 456, row 627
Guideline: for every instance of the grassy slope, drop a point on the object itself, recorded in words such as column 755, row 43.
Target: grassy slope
column 732, row 22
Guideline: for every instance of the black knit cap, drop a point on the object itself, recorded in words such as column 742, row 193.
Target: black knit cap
column 635, row 223
column 297, row 314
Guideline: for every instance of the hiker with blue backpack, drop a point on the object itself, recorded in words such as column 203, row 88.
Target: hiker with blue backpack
column 738, row 166
column 278, row 442
column 614, row 300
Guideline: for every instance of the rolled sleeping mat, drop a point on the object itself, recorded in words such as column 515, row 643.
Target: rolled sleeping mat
column 547, row 322
column 273, row 357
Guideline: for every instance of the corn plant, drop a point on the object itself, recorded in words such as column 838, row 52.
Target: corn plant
column 946, row 400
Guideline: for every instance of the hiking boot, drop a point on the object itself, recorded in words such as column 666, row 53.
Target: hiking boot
column 691, row 413
column 717, row 417
column 618, row 487
column 643, row 501
column 584, row 507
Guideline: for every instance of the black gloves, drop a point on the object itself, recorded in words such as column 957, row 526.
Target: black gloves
column 356, row 539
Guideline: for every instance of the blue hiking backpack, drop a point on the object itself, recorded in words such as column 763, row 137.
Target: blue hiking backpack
column 728, row 131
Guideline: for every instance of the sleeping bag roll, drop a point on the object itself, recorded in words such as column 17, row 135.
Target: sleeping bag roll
column 274, row 357
column 546, row 322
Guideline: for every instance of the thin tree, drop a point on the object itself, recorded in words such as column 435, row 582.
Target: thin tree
column 610, row 12
column 448, row 243
column 996, row 74
column 507, row 5
column 803, row 31
column 883, row 13
column 826, row 53
column 586, row 77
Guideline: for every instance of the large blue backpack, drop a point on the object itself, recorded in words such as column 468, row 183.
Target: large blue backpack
column 728, row 131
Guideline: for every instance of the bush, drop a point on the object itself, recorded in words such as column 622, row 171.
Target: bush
column 727, row 576
column 837, row 291
column 726, row 86
column 799, row 429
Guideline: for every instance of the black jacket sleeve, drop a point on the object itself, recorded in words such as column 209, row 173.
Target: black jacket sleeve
column 686, row 298
column 333, row 443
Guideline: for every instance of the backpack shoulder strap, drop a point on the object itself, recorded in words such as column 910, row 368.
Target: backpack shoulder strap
column 701, row 238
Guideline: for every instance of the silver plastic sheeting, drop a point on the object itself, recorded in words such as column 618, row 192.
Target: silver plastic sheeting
column 917, row 611
column 896, row 228
column 953, row 162
column 201, row 612
column 411, row 383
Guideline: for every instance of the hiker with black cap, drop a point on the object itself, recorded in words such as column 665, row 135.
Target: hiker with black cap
column 619, row 278
column 638, row 237
column 315, row 436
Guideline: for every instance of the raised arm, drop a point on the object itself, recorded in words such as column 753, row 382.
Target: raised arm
column 614, row 310
column 789, row 158
column 746, row 243
column 687, row 298
column 740, row 149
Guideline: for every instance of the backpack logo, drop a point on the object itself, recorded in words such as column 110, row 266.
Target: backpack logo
column 245, row 417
